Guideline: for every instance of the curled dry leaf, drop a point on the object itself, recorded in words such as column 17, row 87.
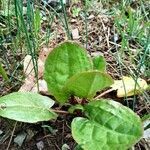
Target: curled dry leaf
column 128, row 86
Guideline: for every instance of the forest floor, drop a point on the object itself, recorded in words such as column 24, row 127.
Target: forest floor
column 118, row 31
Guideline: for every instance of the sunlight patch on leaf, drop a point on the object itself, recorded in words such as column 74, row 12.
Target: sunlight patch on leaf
column 86, row 84
column 27, row 107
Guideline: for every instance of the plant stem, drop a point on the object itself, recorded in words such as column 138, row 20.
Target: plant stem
column 104, row 93
column 60, row 111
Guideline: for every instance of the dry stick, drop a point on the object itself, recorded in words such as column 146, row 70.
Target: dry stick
column 57, row 146
column 115, row 44
column 104, row 93
column 60, row 111
column 11, row 135
column 46, row 137
column 108, row 35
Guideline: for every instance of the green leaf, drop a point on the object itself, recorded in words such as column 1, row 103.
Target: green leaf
column 26, row 107
column 78, row 147
column 64, row 61
column 75, row 107
column 110, row 126
column 3, row 73
column 37, row 22
column 99, row 63
column 86, row 84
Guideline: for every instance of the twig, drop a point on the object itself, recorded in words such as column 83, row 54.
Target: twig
column 46, row 136
column 11, row 135
column 60, row 111
column 104, row 93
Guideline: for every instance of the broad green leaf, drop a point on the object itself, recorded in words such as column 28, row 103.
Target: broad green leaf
column 126, row 86
column 26, row 107
column 109, row 126
column 99, row 63
column 64, row 61
column 78, row 147
column 86, row 84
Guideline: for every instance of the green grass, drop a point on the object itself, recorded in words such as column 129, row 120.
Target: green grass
column 24, row 30
column 133, row 27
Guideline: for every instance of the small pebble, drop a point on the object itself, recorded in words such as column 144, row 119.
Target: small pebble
column 40, row 145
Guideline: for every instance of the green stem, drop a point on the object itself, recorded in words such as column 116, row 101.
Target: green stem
column 65, row 17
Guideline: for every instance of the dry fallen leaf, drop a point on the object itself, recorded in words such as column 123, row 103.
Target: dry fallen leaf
column 126, row 86
column 75, row 34
column 28, row 65
column 91, row 16
column 42, row 87
column 28, row 84
column 30, row 81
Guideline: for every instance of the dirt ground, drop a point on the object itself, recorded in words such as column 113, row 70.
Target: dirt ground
column 53, row 135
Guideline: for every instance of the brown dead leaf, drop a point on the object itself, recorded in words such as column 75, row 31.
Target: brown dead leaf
column 44, row 53
column 28, row 65
column 28, row 84
column 42, row 57
column 42, row 87
column 30, row 81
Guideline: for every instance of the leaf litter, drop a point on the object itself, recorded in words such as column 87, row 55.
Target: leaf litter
column 100, row 35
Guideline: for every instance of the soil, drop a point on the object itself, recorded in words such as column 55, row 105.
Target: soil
column 57, row 133
column 54, row 134
column 51, row 140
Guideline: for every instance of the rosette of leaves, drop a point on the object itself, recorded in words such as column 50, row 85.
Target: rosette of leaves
column 107, row 124
column 69, row 71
